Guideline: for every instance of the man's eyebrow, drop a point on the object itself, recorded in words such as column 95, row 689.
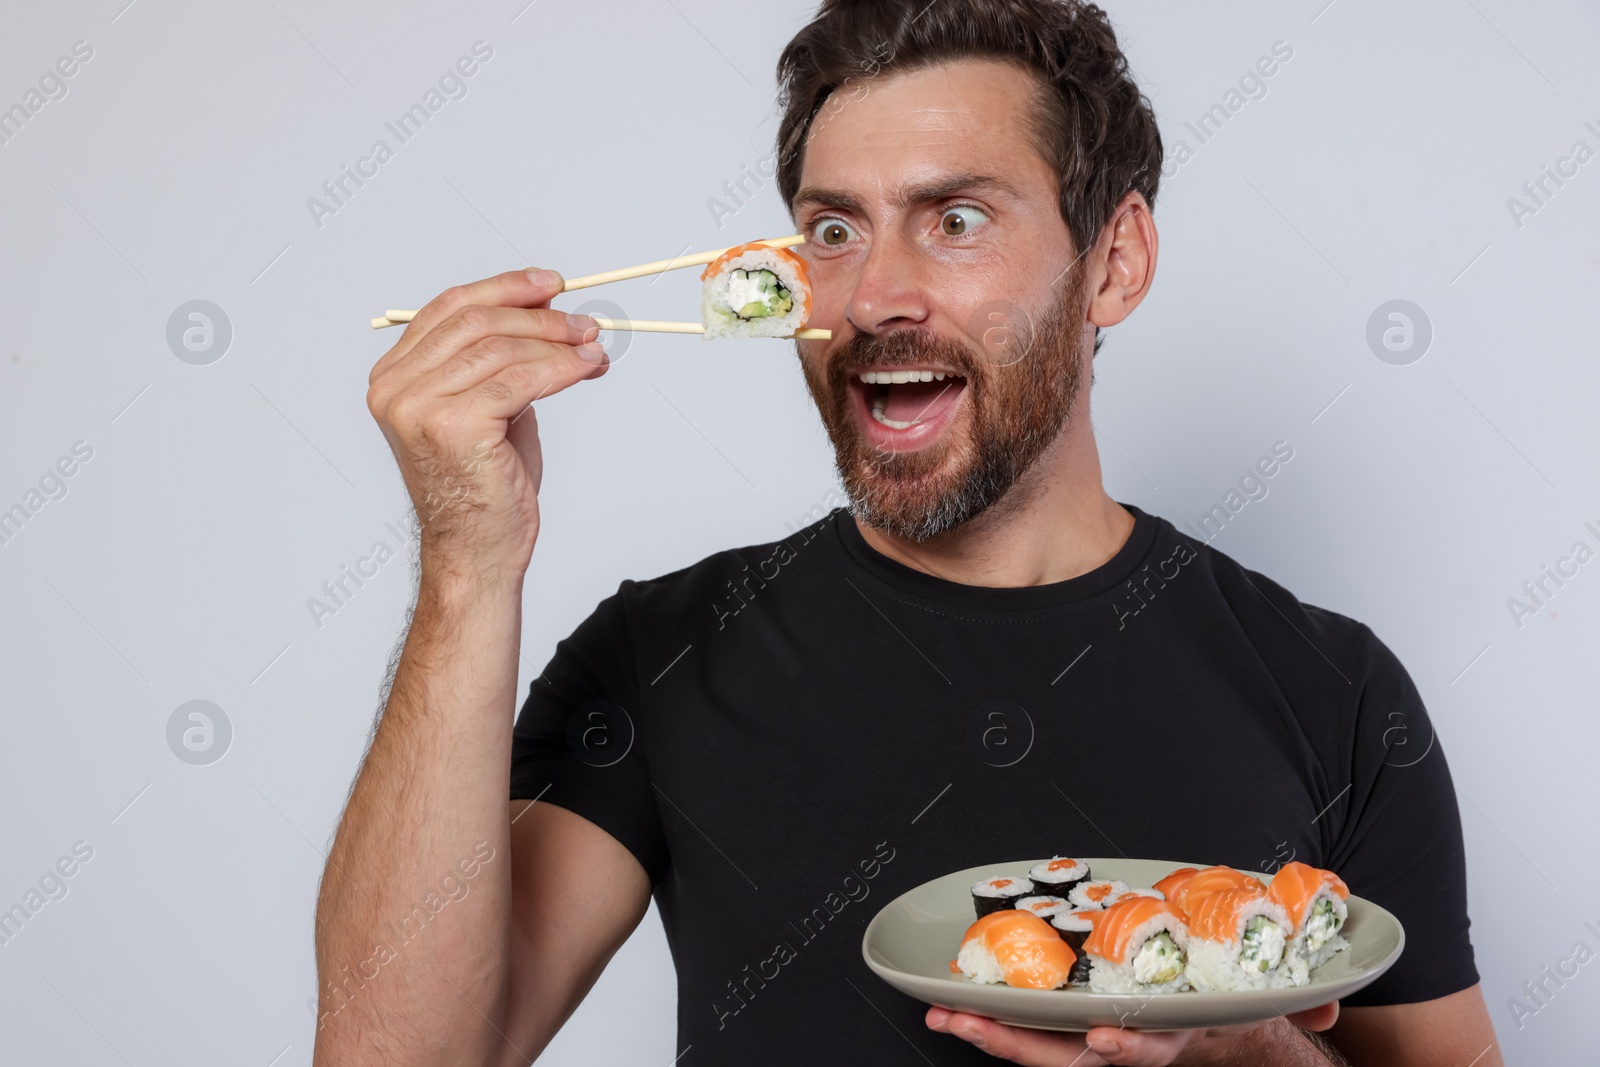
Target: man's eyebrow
column 910, row 195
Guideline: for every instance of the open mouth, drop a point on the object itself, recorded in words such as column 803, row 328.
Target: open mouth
column 907, row 406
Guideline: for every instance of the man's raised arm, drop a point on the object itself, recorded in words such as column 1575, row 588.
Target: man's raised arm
column 428, row 920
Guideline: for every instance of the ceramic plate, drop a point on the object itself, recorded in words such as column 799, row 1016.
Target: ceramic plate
column 912, row 940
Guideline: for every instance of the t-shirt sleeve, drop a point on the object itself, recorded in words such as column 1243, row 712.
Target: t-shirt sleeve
column 576, row 742
column 1399, row 843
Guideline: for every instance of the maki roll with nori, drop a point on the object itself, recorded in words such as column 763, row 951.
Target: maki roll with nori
column 1074, row 927
column 998, row 893
column 1043, row 906
column 1057, row 876
column 1096, row 894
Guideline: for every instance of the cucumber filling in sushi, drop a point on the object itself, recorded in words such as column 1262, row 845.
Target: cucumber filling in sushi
column 1263, row 944
column 757, row 294
column 1158, row 960
column 1322, row 925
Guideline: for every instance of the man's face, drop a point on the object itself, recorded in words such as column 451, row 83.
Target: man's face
column 936, row 246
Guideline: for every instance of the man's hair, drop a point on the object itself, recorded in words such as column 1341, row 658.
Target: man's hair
column 1091, row 122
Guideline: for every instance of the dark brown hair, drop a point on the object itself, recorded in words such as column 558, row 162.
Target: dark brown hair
column 1092, row 124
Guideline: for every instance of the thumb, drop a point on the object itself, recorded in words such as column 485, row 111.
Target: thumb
column 523, row 435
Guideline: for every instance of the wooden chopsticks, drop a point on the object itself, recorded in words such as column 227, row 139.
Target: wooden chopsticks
column 400, row 317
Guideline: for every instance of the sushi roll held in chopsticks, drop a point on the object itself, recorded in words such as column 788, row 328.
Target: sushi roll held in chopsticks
column 1239, row 940
column 755, row 290
column 1314, row 900
column 1138, row 946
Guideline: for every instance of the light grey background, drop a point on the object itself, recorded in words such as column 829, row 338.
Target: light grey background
column 219, row 498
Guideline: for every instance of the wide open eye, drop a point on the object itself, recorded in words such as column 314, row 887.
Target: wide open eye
column 829, row 231
column 961, row 219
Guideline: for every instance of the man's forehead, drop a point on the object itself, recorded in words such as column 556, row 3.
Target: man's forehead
column 906, row 131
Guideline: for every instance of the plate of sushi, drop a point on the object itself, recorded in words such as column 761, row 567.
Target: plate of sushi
column 1070, row 943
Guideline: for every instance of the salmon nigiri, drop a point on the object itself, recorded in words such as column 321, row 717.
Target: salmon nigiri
column 1017, row 948
column 1138, row 946
column 1315, row 902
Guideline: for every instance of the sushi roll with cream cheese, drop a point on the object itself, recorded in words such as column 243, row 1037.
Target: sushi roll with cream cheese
column 755, row 290
column 1138, row 946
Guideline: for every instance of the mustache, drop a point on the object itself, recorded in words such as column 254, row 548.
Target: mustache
column 902, row 347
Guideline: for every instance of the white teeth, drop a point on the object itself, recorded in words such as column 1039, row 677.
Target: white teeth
column 900, row 377
column 877, row 413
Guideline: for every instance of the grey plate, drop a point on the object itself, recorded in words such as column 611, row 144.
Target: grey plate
column 911, row 941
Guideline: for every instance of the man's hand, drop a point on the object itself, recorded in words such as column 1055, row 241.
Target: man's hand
column 452, row 398
column 1278, row 1042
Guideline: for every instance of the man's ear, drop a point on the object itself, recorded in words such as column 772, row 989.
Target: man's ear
column 1123, row 263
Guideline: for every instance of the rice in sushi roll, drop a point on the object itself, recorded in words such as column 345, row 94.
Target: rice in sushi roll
column 1314, row 900
column 1138, row 946
column 1016, row 948
column 1043, row 905
column 1097, row 893
column 1240, row 940
column 755, row 290
column 998, row 893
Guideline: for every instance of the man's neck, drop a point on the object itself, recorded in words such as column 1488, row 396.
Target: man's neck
column 1056, row 523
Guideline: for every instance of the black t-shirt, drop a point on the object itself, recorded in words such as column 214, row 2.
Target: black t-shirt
column 790, row 735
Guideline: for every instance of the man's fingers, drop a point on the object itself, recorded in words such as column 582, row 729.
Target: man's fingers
column 1321, row 1018
column 1135, row 1048
column 471, row 324
column 1032, row 1048
column 488, row 356
column 517, row 288
column 512, row 389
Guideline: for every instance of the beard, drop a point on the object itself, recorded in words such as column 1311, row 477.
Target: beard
column 1020, row 388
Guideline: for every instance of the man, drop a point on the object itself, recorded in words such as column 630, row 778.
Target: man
column 985, row 658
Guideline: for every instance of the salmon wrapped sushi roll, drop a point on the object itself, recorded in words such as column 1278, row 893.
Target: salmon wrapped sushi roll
column 1240, row 940
column 1175, row 881
column 1097, row 893
column 1016, row 948
column 1212, row 880
column 1314, row 900
column 1138, row 946
column 999, row 892
column 755, row 290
